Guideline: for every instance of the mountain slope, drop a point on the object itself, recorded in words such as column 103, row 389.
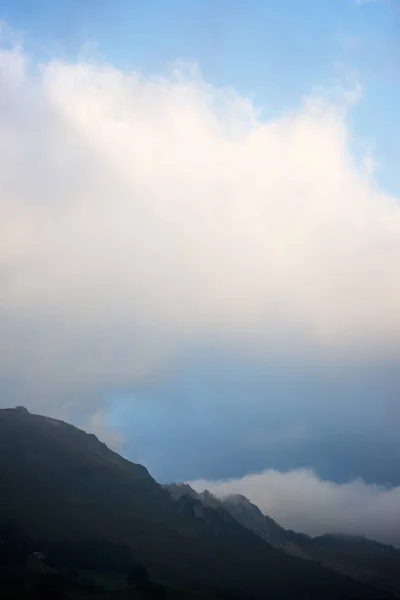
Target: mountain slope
column 59, row 482
column 250, row 516
column 366, row 560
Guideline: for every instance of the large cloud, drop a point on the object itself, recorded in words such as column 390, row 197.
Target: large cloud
column 141, row 214
column 301, row 501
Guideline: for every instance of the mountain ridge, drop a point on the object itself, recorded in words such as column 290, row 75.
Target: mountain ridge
column 59, row 482
column 357, row 556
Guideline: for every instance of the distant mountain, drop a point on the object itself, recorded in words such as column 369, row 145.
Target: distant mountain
column 357, row 556
column 250, row 516
column 66, row 489
column 366, row 560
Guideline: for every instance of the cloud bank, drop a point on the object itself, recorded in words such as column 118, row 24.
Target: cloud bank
column 140, row 215
column 301, row 501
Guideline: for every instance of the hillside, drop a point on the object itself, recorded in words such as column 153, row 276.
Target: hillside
column 59, row 483
column 250, row 517
column 366, row 560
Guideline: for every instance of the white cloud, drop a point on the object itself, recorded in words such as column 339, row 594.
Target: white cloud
column 301, row 501
column 137, row 213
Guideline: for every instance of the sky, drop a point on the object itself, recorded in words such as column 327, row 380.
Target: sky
column 200, row 225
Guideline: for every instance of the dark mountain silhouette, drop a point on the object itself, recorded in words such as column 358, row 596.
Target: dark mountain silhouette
column 62, row 486
column 366, row 560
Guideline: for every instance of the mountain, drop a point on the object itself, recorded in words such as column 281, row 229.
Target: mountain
column 366, row 560
column 64, row 487
column 250, row 517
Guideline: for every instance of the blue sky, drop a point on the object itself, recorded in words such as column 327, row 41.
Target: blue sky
column 167, row 300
